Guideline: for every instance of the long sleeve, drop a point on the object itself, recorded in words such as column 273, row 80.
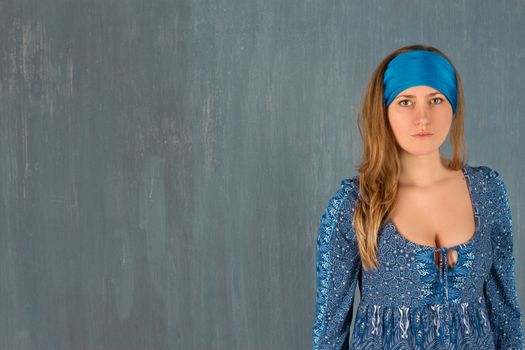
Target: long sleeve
column 500, row 286
column 337, row 267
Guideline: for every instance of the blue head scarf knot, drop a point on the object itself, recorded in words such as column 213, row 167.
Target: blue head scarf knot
column 420, row 67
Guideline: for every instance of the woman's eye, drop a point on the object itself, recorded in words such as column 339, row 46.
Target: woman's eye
column 406, row 102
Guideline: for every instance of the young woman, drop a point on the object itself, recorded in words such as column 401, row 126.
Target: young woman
column 427, row 239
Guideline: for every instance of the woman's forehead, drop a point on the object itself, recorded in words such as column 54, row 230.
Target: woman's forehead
column 420, row 89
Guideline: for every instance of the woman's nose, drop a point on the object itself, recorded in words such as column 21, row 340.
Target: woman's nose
column 422, row 111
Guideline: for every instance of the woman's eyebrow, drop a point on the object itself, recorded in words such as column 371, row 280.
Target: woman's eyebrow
column 430, row 94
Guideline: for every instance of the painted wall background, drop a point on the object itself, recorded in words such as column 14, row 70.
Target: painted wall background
column 164, row 164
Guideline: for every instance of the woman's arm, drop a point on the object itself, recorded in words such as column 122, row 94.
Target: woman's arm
column 337, row 266
column 500, row 287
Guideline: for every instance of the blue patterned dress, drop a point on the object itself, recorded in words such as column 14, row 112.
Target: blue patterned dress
column 410, row 302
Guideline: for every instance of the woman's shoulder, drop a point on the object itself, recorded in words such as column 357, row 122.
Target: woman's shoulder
column 351, row 182
column 485, row 171
column 490, row 188
column 488, row 178
column 346, row 195
column 484, row 176
column 340, row 210
column 480, row 172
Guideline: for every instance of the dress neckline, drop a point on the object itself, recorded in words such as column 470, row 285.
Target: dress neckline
column 473, row 204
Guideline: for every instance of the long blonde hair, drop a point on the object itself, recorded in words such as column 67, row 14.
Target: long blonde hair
column 380, row 168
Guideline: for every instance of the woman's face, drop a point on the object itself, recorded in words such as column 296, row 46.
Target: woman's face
column 424, row 109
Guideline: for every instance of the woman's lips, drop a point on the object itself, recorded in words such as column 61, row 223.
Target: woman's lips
column 422, row 135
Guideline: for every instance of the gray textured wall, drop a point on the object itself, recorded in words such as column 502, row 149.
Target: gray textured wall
column 164, row 164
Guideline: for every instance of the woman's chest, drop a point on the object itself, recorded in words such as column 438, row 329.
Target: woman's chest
column 410, row 274
column 443, row 215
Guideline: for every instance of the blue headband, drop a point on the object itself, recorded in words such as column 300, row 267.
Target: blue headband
column 420, row 67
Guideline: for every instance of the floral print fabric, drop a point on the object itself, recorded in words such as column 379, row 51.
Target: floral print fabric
column 410, row 302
